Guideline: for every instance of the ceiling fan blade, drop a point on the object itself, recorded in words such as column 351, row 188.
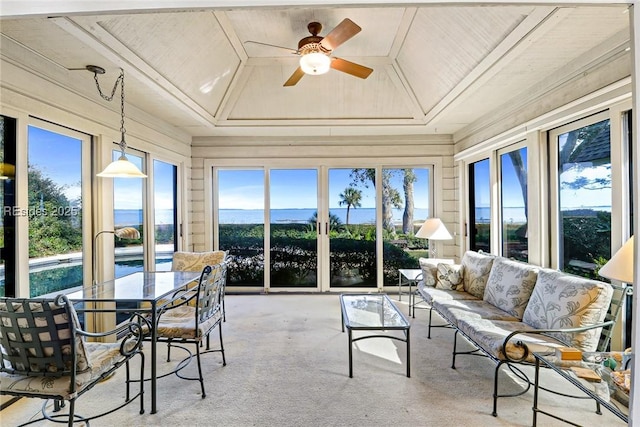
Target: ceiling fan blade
column 273, row 45
column 295, row 77
column 340, row 34
column 350, row 68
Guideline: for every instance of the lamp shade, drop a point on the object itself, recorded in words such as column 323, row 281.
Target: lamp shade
column 434, row 229
column 620, row 266
column 121, row 168
column 315, row 63
column 127, row 233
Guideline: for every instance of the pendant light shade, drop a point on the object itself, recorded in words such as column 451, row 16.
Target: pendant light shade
column 121, row 168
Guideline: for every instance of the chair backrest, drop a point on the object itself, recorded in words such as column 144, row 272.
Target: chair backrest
column 211, row 292
column 196, row 261
column 38, row 338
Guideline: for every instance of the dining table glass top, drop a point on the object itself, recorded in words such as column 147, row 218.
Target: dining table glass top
column 139, row 286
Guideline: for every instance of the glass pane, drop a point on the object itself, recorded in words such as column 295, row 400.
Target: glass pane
column 7, row 204
column 352, row 227
column 513, row 186
column 55, row 211
column 585, row 198
column 164, row 213
column 480, row 206
column 241, row 224
column 407, row 198
column 128, row 203
column 294, row 238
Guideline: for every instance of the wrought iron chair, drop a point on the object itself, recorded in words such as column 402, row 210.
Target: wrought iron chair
column 193, row 316
column 43, row 354
column 196, row 261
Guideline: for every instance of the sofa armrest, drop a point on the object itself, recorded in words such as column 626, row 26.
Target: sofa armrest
column 547, row 333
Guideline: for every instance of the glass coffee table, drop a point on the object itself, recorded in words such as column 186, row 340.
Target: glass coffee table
column 373, row 312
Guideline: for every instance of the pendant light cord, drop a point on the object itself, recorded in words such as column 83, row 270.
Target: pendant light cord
column 120, row 80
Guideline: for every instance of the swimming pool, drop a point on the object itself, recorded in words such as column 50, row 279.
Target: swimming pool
column 65, row 276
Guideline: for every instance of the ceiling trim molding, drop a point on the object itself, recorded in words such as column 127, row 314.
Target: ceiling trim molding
column 114, row 50
column 530, row 29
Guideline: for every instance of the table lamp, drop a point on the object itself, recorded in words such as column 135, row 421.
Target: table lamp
column 433, row 229
column 620, row 266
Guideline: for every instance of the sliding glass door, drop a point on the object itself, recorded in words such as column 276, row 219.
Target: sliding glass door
column 320, row 228
column 293, row 218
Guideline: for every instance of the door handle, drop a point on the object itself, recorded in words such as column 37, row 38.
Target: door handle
column 326, row 228
column 319, row 229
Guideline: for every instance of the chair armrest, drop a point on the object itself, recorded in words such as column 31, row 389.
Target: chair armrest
column 131, row 342
column 547, row 333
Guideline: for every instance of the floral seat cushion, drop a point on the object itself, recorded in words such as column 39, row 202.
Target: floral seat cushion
column 455, row 310
column 180, row 322
column 430, row 294
column 490, row 335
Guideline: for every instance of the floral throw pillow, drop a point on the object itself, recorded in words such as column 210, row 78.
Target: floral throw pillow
column 429, row 270
column 510, row 285
column 476, row 269
column 449, row 276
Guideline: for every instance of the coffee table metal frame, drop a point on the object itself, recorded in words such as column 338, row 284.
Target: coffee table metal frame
column 387, row 315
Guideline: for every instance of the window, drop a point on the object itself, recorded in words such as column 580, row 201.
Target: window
column 480, row 206
column 55, row 193
column 165, row 213
column 583, row 195
column 7, row 204
column 513, row 203
column 128, row 205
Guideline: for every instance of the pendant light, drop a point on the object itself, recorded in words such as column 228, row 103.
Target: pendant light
column 121, row 168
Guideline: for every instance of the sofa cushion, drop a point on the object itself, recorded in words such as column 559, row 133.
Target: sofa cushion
column 475, row 272
column 490, row 334
column 456, row 310
column 510, row 285
column 560, row 300
column 430, row 294
column 429, row 267
column 448, row 276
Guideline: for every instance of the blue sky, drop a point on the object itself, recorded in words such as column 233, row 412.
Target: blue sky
column 297, row 188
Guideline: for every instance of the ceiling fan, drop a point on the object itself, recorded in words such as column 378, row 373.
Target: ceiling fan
column 315, row 52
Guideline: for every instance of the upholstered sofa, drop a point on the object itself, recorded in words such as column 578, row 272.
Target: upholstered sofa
column 509, row 309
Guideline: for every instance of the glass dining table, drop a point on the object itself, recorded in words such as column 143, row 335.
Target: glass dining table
column 141, row 292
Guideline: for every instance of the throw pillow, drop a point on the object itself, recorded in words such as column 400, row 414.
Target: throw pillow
column 449, row 276
column 429, row 270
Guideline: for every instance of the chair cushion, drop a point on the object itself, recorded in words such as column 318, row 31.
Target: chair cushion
column 475, row 272
column 196, row 261
column 509, row 285
column 102, row 357
column 180, row 322
column 561, row 300
column 448, row 276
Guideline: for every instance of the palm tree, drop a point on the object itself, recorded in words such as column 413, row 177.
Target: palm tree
column 351, row 198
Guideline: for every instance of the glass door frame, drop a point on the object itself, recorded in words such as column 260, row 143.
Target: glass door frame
column 211, row 240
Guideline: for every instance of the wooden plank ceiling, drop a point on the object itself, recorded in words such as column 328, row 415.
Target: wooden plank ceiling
column 437, row 69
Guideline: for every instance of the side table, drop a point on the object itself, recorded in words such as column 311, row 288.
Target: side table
column 599, row 391
column 408, row 276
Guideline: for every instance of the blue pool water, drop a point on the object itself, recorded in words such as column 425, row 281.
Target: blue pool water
column 60, row 277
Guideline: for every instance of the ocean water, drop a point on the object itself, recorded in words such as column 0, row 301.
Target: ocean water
column 133, row 217
column 303, row 216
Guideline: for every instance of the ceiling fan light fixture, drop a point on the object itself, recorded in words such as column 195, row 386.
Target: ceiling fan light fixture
column 315, row 63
